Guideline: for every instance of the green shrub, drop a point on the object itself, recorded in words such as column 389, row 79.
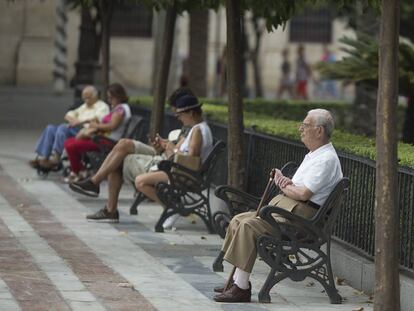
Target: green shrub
column 292, row 110
column 274, row 124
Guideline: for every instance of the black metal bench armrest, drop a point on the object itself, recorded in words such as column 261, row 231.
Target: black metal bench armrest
column 304, row 227
column 180, row 176
column 232, row 196
column 168, row 166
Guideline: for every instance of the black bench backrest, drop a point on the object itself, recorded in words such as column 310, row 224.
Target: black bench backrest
column 207, row 167
column 326, row 216
column 135, row 128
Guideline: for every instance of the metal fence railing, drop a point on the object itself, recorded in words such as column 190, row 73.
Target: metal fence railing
column 355, row 225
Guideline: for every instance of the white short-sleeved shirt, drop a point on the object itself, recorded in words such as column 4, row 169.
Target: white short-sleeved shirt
column 84, row 112
column 319, row 171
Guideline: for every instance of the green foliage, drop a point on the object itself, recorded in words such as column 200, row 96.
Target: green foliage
column 287, row 110
column 268, row 117
column 72, row 4
column 277, row 13
column 182, row 5
column 361, row 63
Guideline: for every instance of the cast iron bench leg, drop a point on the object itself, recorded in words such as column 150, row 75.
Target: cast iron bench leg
column 133, row 210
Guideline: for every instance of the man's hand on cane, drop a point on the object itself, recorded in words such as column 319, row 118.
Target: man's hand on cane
column 280, row 180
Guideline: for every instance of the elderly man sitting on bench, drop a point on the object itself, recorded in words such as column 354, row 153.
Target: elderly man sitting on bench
column 302, row 195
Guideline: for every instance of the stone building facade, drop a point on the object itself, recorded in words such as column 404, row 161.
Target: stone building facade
column 28, row 30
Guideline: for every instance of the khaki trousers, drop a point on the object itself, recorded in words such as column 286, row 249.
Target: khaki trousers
column 143, row 158
column 239, row 245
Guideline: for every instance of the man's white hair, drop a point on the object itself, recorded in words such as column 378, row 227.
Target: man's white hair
column 92, row 89
column 323, row 118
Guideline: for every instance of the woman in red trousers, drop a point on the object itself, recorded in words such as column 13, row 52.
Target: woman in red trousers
column 112, row 125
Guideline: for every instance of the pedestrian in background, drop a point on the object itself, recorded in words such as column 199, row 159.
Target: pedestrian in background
column 286, row 83
column 303, row 73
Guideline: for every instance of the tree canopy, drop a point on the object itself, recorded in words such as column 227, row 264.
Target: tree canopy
column 278, row 13
column 182, row 5
column 361, row 63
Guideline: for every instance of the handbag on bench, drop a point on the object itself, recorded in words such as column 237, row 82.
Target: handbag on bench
column 188, row 161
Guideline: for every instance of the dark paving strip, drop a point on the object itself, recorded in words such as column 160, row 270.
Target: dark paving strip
column 30, row 286
column 186, row 265
column 97, row 277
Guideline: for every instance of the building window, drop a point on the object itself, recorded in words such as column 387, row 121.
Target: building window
column 131, row 20
column 312, row 26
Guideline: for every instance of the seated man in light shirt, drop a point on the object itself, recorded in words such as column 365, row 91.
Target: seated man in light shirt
column 49, row 147
column 302, row 195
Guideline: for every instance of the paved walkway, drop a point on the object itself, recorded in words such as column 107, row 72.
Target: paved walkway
column 51, row 258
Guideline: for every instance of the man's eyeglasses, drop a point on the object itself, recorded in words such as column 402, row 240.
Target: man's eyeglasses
column 308, row 125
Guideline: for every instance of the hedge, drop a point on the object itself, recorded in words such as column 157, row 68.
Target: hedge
column 294, row 109
column 274, row 124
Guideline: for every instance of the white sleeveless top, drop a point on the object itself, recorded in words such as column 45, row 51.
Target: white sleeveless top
column 116, row 134
column 207, row 140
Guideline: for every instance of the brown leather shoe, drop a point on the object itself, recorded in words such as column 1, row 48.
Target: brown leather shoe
column 48, row 164
column 34, row 163
column 220, row 289
column 234, row 294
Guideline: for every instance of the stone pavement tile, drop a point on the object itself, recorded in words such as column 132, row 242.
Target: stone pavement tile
column 142, row 270
column 5, row 294
column 48, row 198
column 80, row 295
column 27, row 283
column 289, row 295
column 64, row 286
column 7, row 301
column 181, row 260
column 97, row 277
column 43, row 255
column 82, row 306
column 242, row 307
column 9, row 305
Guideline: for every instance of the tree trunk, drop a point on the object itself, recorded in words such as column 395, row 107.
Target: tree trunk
column 387, row 286
column 408, row 129
column 106, row 9
column 198, row 52
column 158, row 32
column 97, row 26
column 236, row 151
column 89, row 43
column 244, row 50
column 157, row 113
column 255, row 58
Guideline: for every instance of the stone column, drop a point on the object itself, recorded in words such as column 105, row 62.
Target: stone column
column 60, row 51
column 35, row 51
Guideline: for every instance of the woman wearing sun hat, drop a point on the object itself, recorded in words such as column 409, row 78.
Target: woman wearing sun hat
column 198, row 142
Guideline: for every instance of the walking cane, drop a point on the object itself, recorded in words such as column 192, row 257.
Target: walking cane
column 265, row 194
